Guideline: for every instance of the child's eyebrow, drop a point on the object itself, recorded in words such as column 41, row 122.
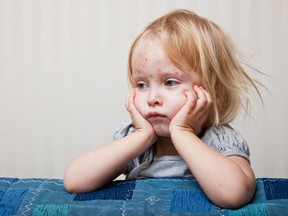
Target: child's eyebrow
column 138, row 76
column 173, row 72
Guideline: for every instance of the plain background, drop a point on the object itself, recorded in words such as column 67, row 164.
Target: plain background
column 63, row 76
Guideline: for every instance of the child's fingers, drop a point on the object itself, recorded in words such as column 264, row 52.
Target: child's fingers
column 130, row 101
column 130, row 106
column 204, row 100
column 192, row 97
column 208, row 100
column 191, row 100
column 138, row 120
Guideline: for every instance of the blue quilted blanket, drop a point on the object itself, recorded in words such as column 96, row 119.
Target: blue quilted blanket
column 166, row 196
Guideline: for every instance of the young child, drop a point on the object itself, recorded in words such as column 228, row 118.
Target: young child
column 187, row 85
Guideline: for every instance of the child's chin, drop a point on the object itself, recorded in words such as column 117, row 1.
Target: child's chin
column 162, row 132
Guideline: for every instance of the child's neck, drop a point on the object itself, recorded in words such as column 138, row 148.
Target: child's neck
column 165, row 147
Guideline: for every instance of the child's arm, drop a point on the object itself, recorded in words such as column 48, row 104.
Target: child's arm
column 227, row 181
column 98, row 167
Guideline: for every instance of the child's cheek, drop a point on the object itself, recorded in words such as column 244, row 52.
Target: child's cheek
column 178, row 102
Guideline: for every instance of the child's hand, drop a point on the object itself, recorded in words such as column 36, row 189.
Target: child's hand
column 194, row 113
column 140, row 123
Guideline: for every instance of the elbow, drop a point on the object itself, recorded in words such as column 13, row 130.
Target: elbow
column 75, row 187
column 76, row 180
column 70, row 185
column 74, row 184
column 237, row 197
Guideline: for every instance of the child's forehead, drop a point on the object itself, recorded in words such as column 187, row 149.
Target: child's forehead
column 148, row 52
column 147, row 42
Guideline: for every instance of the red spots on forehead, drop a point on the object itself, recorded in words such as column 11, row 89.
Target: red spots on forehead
column 137, row 72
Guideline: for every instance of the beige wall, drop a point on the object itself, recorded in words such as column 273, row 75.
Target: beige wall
column 63, row 83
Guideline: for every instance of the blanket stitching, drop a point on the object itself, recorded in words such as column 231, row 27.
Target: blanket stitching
column 36, row 193
column 123, row 207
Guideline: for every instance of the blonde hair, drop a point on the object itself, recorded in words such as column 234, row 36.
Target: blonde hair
column 190, row 39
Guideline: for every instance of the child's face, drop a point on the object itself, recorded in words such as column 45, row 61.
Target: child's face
column 160, row 85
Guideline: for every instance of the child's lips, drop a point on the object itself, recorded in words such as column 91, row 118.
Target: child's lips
column 155, row 116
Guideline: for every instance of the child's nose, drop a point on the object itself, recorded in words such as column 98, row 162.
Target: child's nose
column 154, row 98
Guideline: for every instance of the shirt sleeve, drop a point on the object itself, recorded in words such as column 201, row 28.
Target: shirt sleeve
column 123, row 129
column 227, row 141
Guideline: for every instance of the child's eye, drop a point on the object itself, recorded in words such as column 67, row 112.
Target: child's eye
column 141, row 85
column 171, row 82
